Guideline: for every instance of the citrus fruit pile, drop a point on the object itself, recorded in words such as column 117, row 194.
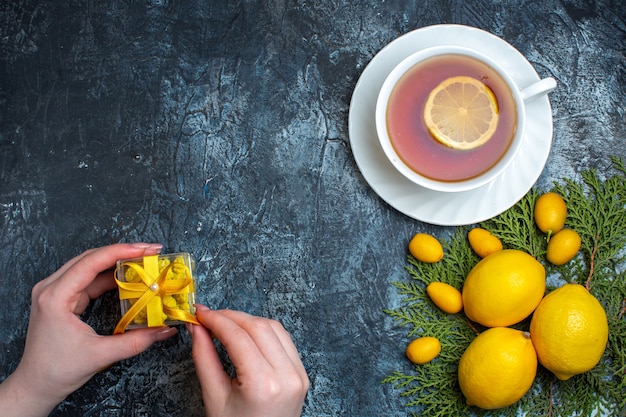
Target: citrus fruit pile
column 568, row 329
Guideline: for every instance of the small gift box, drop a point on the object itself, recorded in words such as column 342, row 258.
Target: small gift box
column 155, row 291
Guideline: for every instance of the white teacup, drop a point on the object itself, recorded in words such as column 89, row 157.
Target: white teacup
column 519, row 96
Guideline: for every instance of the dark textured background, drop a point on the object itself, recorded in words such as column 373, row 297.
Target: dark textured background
column 220, row 128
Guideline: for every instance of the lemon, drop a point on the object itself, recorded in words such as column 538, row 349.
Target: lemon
column 425, row 248
column 569, row 330
column 497, row 368
column 461, row 112
column 563, row 246
column 550, row 213
column 483, row 242
column 445, row 296
column 423, row 350
column 504, row 288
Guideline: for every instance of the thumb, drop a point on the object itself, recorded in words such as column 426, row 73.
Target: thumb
column 131, row 343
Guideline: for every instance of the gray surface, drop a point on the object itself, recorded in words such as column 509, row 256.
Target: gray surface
column 221, row 129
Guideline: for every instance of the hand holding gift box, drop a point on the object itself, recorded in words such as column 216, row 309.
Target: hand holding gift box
column 62, row 352
column 155, row 290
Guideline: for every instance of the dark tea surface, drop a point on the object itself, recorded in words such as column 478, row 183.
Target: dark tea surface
column 409, row 134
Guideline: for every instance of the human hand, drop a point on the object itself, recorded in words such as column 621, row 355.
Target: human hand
column 270, row 381
column 62, row 352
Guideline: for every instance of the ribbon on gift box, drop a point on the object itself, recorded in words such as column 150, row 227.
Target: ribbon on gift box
column 149, row 293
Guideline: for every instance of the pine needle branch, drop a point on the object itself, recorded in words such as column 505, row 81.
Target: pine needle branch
column 597, row 211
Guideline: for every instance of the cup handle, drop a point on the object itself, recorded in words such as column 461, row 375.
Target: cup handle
column 538, row 88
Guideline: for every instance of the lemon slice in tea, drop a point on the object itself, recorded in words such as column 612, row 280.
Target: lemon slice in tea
column 462, row 113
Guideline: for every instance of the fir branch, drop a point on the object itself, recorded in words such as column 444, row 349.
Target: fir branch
column 516, row 227
column 597, row 211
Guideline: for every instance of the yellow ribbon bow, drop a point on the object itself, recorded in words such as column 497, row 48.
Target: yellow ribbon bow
column 151, row 290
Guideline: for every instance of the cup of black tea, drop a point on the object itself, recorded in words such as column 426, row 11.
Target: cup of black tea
column 450, row 119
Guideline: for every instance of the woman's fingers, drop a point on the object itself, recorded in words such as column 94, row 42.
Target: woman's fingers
column 238, row 343
column 270, row 377
column 83, row 269
column 215, row 382
column 270, row 337
column 82, row 278
column 252, row 341
column 59, row 272
column 111, row 349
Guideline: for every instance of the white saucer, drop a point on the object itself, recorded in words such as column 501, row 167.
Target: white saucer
column 440, row 208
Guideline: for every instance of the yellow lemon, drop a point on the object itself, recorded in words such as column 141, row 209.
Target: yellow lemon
column 423, row 349
column 461, row 112
column 497, row 368
column 425, row 248
column 550, row 213
column 445, row 296
column 483, row 242
column 504, row 288
column 569, row 330
column 563, row 246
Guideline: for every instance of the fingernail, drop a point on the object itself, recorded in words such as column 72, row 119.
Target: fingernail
column 140, row 245
column 201, row 307
column 144, row 245
column 165, row 334
column 189, row 327
column 158, row 246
